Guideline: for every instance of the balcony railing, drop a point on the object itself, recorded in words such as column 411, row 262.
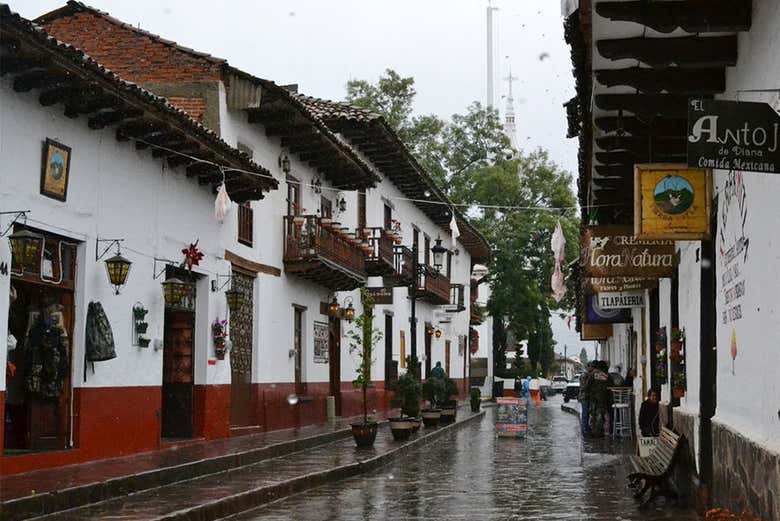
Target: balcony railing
column 403, row 267
column 433, row 287
column 322, row 254
column 380, row 258
column 457, row 298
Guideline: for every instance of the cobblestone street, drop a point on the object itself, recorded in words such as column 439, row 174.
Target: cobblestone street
column 471, row 475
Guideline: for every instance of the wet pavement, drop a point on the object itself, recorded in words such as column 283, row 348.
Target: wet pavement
column 471, row 475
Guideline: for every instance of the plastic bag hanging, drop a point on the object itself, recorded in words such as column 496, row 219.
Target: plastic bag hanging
column 222, row 202
column 558, row 245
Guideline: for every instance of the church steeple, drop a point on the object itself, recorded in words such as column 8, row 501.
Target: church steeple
column 509, row 113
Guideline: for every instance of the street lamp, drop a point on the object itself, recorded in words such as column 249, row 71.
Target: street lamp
column 117, row 268
column 25, row 249
column 438, row 254
column 333, row 307
column 349, row 313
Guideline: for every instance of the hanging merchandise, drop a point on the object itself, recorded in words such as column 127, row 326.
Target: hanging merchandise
column 99, row 337
column 219, row 332
column 661, row 364
column 454, row 229
column 222, row 203
column 46, row 351
column 192, row 256
column 558, row 244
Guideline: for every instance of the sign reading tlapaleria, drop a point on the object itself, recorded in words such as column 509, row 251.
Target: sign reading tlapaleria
column 671, row 202
column 733, row 135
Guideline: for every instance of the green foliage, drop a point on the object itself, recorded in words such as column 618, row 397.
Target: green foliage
column 407, row 394
column 475, row 394
column 363, row 338
column 433, row 390
column 413, row 366
column 450, row 389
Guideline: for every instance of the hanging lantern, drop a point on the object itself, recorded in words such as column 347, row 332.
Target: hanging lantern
column 234, row 299
column 333, row 307
column 117, row 268
column 349, row 313
column 25, row 249
column 174, row 291
column 429, row 330
column 438, row 255
column 438, row 333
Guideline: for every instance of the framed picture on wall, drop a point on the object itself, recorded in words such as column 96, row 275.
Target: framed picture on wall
column 55, row 170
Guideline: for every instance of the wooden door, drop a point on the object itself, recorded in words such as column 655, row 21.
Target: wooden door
column 334, row 360
column 298, row 347
column 447, row 356
column 242, row 405
column 177, row 385
column 391, row 372
column 428, row 341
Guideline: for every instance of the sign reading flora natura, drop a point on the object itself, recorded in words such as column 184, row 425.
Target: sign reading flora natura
column 733, row 135
column 614, row 251
column 671, row 202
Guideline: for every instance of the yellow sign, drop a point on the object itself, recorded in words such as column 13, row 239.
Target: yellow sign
column 596, row 331
column 672, row 202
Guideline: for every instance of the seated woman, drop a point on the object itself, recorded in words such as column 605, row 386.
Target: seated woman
column 649, row 422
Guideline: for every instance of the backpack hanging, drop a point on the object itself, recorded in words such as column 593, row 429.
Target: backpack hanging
column 99, row 337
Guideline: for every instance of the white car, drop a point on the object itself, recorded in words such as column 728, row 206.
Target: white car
column 559, row 384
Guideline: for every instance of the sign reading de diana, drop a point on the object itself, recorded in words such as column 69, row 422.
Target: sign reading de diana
column 627, row 299
column 733, row 135
column 671, row 202
column 613, row 251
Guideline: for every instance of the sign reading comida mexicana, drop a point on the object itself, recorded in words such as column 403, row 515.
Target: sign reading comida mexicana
column 620, row 300
column 733, row 135
column 614, row 251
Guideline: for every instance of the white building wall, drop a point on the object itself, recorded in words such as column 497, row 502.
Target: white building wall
column 747, row 384
column 114, row 191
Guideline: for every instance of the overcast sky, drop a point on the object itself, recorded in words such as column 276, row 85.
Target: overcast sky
column 320, row 44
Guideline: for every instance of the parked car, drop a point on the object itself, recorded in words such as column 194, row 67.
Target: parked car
column 572, row 391
column 559, row 384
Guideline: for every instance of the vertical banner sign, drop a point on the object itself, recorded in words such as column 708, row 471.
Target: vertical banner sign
column 403, row 349
column 614, row 251
column 733, row 135
column 321, row 342
column 511, row 417
column 671, row 202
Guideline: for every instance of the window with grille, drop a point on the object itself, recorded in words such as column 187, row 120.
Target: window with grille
column 245, row 224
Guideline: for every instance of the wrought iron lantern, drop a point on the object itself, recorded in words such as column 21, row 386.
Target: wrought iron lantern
column 25, row 249
column 117, row 268
column 234, row 299
column 438, row 255
column 349, row 313
column 333, row 307
column 438, row 333
column 175, row 290
column 284, row 163
column 429, row 330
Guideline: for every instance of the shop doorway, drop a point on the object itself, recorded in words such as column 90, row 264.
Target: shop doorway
column 391, row 366
column 428, row 341
column 334, row 360
column 177, row 384
column 40, row 320
column 241, row 334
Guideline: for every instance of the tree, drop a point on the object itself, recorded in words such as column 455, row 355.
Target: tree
column 583, row 357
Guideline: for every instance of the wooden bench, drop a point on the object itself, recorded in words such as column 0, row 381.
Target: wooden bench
column 654, row 472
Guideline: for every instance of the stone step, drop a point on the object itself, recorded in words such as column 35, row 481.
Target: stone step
column 220, row 495
column 53, row 490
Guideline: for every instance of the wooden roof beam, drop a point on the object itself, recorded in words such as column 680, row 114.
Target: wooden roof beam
column 689, row 51
column 673, row 80
column 645, row 105
column 660, row 127
column 692, row 17
column 674, row 146
column 106, row 118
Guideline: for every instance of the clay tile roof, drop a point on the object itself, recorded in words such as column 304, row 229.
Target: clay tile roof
column 327, row 109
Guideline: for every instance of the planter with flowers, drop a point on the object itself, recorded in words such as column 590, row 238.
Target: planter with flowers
column 661, row 368
column 677, row 358
column 219, row 333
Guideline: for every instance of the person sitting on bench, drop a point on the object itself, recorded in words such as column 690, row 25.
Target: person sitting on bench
column 649, row 420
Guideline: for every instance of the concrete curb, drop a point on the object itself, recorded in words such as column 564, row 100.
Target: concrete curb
column 571, row 410
column 260, row 496
column 84, row 495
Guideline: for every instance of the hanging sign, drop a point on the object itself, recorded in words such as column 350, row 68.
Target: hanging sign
column 614, row 251
column 623, row 299
column 511, row 417
column 671, row 202
column 596, row 331
column 321, row 350
column 382, row 295
column 733, row 135
column 608, row 284
column 596, row 314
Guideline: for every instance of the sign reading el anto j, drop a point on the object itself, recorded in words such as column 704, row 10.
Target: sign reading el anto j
column 733, row 135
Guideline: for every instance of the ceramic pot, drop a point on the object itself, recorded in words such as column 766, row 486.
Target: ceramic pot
column 364, row 433
column 431, row 417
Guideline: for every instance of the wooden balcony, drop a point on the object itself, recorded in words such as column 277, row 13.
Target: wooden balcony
column 322, row 255
column 403, row 268
column 433, row 287
column 476, row 313
column 380, row 260
column 457, row 299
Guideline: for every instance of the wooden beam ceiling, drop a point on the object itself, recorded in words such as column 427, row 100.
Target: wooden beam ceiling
column 688, row 51
column 693, row 17
column 673, row 80
column 645, row 105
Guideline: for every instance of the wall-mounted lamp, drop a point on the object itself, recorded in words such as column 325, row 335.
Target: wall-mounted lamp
column 175, row 290
column 316, row 185
column 438, row 254
column 284, row 163
column 437, row 334
column 349, row 312
column 341, row 203
column 117, row 267
column 25, row 250
column 334, row 307
column 234, row 299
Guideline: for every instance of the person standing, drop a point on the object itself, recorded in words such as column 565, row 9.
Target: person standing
column 649, row 417
column 438, row 371
column 585, row 380
column 598, row 398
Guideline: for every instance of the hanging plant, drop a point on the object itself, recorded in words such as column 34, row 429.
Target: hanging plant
column 219, row 333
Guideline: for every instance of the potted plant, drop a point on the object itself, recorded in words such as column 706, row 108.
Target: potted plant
column 143, row 341
column 433, row 391
column 476, row 396
column 449, row 406
column 407, row 397
column 363, row 339
column 219, row 332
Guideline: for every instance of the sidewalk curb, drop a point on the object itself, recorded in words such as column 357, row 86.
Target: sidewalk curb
column 263, row 495
column 571, row 410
